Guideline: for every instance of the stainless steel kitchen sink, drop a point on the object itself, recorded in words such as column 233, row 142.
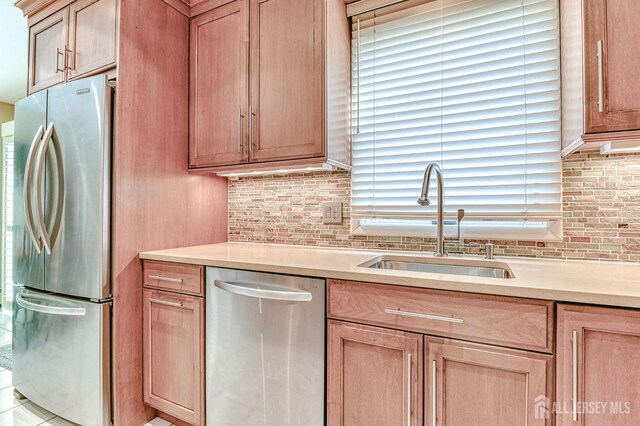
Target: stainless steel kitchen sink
column 454, row 266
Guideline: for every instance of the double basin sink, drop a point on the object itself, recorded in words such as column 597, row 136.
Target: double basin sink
column 441, row 265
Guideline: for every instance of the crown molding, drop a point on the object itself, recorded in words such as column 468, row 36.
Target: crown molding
column 29, row 7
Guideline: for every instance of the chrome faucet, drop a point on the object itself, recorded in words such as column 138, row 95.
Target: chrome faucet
column 424, row 201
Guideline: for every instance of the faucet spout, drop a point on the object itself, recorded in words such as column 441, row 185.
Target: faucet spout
column 424, row 201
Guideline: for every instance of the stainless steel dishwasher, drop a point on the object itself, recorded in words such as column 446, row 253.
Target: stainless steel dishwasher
column 265, row 349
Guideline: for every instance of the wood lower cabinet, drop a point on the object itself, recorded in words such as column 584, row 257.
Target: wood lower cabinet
column 612, row 95
column 74, row 42
column 174, row 354
column 218, row 103
column 374, row 376
column 464, row 383
column 475, row 385
column 598, row 366
column 501, row 321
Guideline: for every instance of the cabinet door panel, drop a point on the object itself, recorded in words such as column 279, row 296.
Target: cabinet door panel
column 219, row 86
column 287, row 79
column 173, row 354
column 607, row 366
column 374, row 376
column 47, row 43
column 477, row 385
column 613, row 25
column 92, row 36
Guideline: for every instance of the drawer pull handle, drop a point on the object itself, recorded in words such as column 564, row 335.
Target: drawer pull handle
column 574, row 376
column 434, row 389
column 424, row 316
column 166, row 302
column 239, row 130
column 600, row 78
column 167, row 279
column 409, row 383
column 58, row 54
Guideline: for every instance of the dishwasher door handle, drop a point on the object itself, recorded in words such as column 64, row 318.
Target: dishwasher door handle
column 255, row 290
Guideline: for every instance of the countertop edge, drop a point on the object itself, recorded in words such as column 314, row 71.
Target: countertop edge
column 561, row 296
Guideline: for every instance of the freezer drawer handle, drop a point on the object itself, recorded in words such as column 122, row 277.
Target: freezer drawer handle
column 168, row 279
column 254, row 290
column 54, row 310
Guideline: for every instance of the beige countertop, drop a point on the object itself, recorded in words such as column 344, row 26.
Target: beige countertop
column 603, row 283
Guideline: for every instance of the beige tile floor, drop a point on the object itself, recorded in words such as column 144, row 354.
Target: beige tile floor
column 25, row 413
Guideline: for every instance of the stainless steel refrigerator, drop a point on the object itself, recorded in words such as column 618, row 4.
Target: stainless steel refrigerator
column 62, row 292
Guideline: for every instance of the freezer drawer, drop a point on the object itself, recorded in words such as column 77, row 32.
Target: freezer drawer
column 265, row 349
column 61, row 355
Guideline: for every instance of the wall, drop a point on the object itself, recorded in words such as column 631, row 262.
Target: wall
column 6, row 112
column 601, row 204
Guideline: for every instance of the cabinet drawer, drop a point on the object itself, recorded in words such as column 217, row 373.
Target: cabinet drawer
column 505, row 321
column 173, row 276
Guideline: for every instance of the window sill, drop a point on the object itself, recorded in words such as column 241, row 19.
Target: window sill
column 484, row 230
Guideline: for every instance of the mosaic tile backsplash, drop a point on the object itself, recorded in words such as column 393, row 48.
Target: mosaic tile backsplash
column 601, row 207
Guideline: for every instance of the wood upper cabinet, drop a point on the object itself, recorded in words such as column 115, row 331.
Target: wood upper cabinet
column 92, row 36
column 265, row 77
column 218, row 102
column 287, row 60
column 174, row 354
column 469, row 384
column 612, row 36
column 73, row 42
column 374, row 376
column 47, row 44
column 598, row 366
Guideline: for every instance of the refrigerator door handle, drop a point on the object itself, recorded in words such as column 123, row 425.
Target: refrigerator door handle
column 42, row 154
column 254, row 290
column 56, row 221
column 47, row 309
column 28, row 187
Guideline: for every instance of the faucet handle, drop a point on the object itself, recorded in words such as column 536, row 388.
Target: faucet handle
column 488, row 251
column 460, row 217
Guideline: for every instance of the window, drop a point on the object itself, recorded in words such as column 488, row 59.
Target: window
column 7, row 213
column 473, row 86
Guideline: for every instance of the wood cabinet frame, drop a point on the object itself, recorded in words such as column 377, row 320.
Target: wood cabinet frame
column 59, row 74
column 190, row 360
column 70, row 64
column 408, row 344
column 324, row 137
column 587, row 337
column 599, row 36
column 537, row 370
column 106, row 44
column 237, row 147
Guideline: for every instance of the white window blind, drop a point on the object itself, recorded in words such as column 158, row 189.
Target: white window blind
column 7, row 212
column 471, row 85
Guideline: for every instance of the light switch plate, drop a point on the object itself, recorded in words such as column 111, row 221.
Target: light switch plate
column 332, row 212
